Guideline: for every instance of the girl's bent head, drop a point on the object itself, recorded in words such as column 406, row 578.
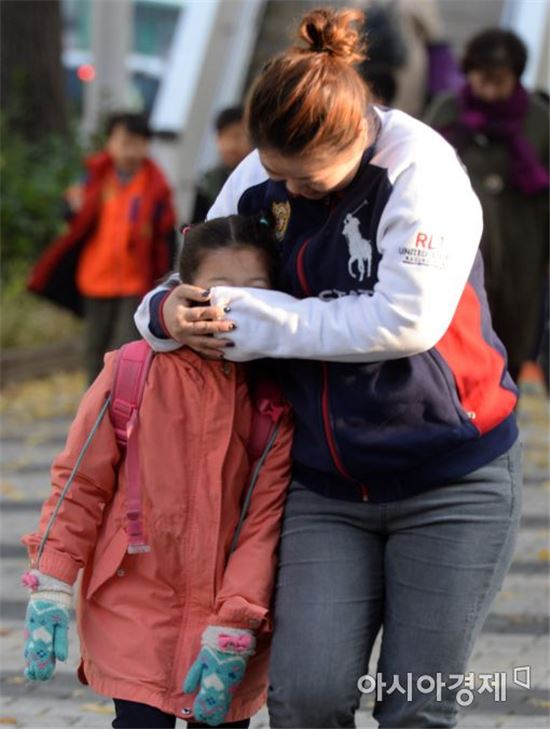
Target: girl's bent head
column 232, row 251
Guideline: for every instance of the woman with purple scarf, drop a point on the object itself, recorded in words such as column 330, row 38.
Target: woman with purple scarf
column 501, row 134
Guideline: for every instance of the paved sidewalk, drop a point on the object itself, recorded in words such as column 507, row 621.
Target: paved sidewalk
column 35, row 419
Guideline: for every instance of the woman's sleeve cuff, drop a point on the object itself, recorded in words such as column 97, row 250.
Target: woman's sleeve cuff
column 157, row 325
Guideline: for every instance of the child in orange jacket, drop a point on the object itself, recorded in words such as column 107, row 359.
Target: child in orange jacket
column 144, row 618
column 118, row 242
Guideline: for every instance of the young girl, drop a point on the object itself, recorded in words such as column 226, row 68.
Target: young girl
column 189, row 614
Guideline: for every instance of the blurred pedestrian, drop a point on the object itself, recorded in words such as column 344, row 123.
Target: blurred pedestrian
column 500, row 131
column 118, row 241
column 233, row 146
column 387, row 51
column 409, row 59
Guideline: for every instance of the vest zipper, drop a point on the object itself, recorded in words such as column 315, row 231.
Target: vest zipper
column 325, row 405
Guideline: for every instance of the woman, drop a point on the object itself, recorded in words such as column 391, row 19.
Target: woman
column 406, row 492
column 501, row 134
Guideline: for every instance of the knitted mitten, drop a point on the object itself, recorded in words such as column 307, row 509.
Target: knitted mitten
column 218, row 671
column 46, row 624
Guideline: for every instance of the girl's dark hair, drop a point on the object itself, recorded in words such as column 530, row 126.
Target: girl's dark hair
column 310, row 97
column 235, row 231
column 493, row 49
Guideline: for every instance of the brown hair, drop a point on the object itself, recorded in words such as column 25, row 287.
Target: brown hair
column 310, row 98
column 234, row 231
column 493, row 49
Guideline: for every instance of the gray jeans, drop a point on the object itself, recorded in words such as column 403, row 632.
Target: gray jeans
column 426, row 569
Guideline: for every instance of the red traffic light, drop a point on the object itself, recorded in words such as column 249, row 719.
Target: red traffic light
column 86, row 72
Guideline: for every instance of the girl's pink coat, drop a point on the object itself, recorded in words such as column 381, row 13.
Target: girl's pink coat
column 140, row 616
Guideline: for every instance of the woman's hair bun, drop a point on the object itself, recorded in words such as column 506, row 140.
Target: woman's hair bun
column 333, row 32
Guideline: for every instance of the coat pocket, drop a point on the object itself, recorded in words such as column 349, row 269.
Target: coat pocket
column 108, row 562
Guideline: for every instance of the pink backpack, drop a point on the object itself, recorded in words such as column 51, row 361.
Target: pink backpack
column 132, row 366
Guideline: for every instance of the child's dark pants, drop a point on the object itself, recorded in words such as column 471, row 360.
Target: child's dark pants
column 109, row 325
column 133, row 715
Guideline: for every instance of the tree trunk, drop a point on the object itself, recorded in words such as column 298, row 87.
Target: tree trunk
column 31, row 86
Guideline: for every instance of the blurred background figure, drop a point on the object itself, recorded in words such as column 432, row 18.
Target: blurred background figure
column 118, row 242
column 233, row 145
column 387, row 51
column 500, row 131
column 410, row 59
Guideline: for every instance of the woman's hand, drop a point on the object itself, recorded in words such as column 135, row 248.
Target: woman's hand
column 194, row 325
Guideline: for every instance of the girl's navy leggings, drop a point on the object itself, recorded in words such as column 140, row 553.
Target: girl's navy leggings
column 133, row 715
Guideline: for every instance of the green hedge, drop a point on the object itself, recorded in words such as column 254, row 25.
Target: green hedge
column 33, row 179
column 29, row 321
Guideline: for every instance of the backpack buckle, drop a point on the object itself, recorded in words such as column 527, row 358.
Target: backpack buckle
column 138, row 548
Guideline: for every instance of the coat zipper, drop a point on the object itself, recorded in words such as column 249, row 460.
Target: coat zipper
column 300, row 269
column 325, row 404
column 329, row 435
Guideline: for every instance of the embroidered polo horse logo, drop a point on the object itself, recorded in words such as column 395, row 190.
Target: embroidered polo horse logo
column 360, row 249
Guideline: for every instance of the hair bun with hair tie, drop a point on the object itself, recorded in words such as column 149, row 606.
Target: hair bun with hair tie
column 334, row 32
column 310, row 97
column 316, row 39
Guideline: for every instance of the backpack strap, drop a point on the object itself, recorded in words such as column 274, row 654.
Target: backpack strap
column 132, row 366
column 35, row 563
column 268, row 409
column 134, row 360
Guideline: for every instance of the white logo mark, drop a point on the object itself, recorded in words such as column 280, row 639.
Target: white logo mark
column 360, row 249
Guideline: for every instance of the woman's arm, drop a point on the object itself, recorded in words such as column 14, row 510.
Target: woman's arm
column 74, row 532
column 148, row 317
column 428, row 235
column 168, row 323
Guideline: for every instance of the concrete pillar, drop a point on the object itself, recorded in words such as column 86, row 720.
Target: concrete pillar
column 206, row 70
column 530, row 19
column 112, row 39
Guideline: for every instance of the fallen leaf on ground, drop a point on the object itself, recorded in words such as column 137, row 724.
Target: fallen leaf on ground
column 541, row 703
column 98, row 708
